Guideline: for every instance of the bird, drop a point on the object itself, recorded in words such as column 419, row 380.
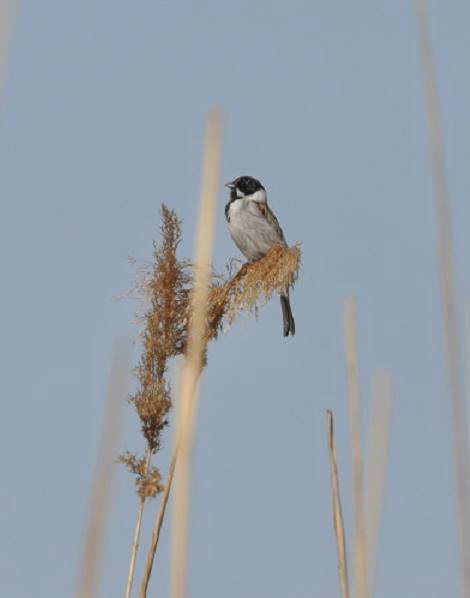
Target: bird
column 255, row 229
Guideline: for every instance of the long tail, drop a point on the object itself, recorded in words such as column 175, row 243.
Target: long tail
column 288, row 318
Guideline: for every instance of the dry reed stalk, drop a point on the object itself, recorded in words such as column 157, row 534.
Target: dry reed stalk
column 159, row 521
column 354, row 400
column 172, row 310
column 137, row 532
column 197, row 341
column 104, row 472
column 158, row 525
column 252, row 286
column 376, row 466
column 447, row 284
column 164, row 292
column 337, row 510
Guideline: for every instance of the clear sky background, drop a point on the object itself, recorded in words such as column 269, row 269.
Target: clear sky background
column 101, row 119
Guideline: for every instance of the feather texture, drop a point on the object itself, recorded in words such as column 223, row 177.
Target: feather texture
column 255, row 229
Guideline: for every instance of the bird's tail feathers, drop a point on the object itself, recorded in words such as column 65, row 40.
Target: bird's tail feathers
column 287, row 317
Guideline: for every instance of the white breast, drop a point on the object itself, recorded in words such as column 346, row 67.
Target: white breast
column 253, row 234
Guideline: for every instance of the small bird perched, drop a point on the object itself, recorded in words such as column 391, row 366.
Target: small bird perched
column 255, row 229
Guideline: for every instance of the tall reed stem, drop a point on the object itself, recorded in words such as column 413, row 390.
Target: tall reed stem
column 447, row 284
column 137, row 532
column 354, row 399
column 337, row 509
column 158, row 526
column 104, row 473
column 376, row 466
column 197, row 342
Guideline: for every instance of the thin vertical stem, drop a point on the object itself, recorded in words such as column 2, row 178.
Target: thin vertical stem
column 197, row 342
column 158, row 526
column 447, row 284
column 137, row 532
column 337, row 509
column 159, row 519
column 354, row 399
column 105, row 466
column 376, row 466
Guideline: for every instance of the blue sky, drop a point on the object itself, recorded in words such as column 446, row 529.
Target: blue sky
column 101, row 119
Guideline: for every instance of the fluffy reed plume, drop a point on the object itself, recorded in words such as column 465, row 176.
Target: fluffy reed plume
column 166, row 291
column 164, row 335
column 253, row 286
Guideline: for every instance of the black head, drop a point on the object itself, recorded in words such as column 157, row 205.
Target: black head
column 244, row 185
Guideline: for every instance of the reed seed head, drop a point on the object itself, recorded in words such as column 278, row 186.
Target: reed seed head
column 166, row 292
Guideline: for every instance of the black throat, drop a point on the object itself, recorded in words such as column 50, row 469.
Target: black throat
column 233, row 197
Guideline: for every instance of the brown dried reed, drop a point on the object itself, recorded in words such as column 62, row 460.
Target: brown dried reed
column 166, row 290
column 253, row 286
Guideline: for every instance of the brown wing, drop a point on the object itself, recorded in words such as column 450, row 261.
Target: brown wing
column 264, row 210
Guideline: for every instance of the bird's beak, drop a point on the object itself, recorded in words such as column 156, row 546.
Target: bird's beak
column 230, row 185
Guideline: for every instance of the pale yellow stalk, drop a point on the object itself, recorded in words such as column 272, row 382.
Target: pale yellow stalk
column 100, row 499
column 188, row 395
column 158, row 526
column 355, row 408
column 447, row 284
column 376, row 467
column 337, row 509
